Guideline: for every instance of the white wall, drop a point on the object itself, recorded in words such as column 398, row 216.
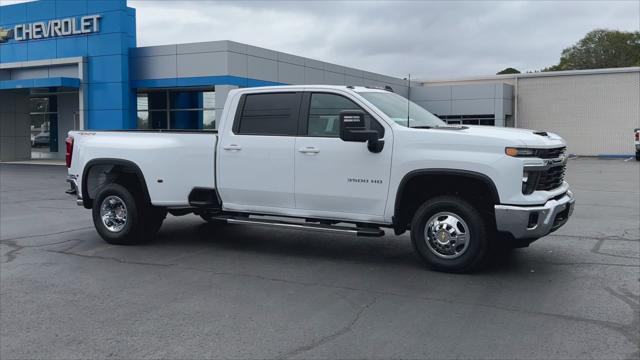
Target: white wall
column 595, row 113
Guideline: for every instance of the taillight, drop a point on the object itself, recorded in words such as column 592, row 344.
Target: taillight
column 637, row 135
column 69, row 154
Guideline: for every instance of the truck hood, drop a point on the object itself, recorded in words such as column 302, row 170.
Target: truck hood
column 529, row 138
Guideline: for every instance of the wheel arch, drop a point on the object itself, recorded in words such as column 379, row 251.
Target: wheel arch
column 116, row 167
column 402, row 217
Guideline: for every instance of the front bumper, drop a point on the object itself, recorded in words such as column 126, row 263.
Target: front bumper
column 534, row 222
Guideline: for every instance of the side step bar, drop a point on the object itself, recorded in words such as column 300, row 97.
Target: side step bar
column 356, row 231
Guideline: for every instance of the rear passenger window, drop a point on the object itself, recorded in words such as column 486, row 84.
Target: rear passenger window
column 324, row 115
column 270, row 114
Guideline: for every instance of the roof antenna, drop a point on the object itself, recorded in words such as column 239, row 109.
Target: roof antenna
column 408, row 99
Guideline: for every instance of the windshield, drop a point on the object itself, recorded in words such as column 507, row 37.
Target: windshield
column 396, row 107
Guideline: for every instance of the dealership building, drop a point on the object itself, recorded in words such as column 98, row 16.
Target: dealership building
column 595, row 111
column 75, row 65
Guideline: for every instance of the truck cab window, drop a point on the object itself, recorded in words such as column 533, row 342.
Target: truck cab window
column 324, row 113
column 269, row 114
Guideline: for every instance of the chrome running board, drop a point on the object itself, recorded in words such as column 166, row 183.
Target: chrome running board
column 355, row 231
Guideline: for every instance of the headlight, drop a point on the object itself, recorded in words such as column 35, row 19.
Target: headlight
column 520, row 152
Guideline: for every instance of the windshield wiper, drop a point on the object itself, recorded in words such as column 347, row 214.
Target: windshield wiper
column 422, row 127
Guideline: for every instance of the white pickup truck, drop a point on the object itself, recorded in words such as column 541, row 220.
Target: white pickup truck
column 338, row 159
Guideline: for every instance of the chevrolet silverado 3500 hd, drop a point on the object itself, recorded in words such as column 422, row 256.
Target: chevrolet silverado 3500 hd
column 338, row 159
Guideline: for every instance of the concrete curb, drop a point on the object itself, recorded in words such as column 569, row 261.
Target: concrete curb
column 35, row 162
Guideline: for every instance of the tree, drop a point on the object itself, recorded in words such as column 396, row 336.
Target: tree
column 508, row 70
column 599, row 49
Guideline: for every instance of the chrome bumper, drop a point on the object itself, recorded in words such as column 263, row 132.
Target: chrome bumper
column 533, row 222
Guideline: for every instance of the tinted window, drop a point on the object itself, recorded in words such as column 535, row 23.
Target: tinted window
column 177, row 109
column 324, row 115
column 270, row 114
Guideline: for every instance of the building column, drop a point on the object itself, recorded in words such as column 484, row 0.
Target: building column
column 222, row 91
column 83, row 95
column 15, row 130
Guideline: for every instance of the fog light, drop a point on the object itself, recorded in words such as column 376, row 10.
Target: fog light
column 529, row 181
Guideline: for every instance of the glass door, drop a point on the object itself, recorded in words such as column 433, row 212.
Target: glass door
column 44, row 126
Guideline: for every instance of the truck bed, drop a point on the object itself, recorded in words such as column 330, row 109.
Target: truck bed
column 172, row 162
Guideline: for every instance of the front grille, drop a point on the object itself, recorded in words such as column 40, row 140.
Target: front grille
column 551, row 153
column 552, row 178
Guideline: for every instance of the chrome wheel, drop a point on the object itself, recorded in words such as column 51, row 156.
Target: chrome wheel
column 113, row 212
column 447, row 235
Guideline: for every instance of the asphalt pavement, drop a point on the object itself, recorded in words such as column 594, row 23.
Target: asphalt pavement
column 249, row 292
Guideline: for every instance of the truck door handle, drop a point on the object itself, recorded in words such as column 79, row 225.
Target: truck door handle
column 233, row 147
column 309, row 150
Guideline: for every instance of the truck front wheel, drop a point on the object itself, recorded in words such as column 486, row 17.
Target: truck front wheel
column 450, row 234
column 122, row 219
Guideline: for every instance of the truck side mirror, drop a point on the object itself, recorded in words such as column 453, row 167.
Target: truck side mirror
column 353, row 128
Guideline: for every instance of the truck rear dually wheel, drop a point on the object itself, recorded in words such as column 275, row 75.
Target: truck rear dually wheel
column 450, row 235
column 122, row 219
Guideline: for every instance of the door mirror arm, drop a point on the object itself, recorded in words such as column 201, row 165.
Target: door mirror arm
column 375, row 147
column 374, row 144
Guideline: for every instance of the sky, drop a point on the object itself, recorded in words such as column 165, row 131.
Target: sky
column 427, row 39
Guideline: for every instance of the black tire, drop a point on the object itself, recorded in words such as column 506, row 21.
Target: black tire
column 466, row 259
column 142, row 221
column 637, row 155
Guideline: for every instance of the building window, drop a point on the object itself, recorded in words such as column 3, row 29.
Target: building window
column 489, row 120
column 44, row 124
column 177, row 109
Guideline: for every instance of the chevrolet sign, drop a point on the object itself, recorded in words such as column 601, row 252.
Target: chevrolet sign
column 52, row 28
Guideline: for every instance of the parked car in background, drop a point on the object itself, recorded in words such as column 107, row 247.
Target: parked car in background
column 637, row 141
column 41, row 140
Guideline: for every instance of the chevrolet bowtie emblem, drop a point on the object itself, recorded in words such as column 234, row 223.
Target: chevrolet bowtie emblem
column 5, row 34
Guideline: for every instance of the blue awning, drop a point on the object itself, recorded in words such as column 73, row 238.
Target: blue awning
column 40, row 83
